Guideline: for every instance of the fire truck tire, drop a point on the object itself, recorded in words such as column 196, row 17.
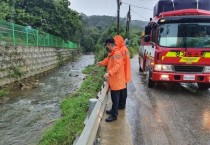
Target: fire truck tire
column 203, row 86
column 150, row 82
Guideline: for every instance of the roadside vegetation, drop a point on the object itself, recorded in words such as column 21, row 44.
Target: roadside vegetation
column 74, row 110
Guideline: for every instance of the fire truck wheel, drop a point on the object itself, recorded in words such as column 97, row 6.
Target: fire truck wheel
column 150, row 82
column 203, row 86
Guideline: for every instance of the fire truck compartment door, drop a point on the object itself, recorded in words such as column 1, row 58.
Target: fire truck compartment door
column 149, row 50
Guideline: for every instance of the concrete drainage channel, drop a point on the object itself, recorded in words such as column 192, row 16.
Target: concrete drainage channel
column 96, row 110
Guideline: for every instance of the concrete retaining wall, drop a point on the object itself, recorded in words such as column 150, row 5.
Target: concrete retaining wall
column 17, row 63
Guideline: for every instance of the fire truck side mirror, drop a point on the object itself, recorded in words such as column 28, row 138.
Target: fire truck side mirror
column 147, row 30
column 147, row 38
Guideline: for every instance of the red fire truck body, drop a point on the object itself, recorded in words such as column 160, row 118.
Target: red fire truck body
column 176, row 47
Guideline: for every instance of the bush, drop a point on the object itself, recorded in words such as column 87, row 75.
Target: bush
column 132, row 51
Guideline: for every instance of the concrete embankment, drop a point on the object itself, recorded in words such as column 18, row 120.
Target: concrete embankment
column 18, row 63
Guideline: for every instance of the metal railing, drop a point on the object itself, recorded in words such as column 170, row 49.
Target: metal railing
column 17, row 35
column 88, row 135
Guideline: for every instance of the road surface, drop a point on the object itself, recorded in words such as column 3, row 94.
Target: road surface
column 169, row 114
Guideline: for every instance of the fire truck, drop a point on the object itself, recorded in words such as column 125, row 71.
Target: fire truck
column 175, row 46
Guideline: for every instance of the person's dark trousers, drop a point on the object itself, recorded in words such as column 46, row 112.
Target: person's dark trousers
column 123, row 97
column 115, row 95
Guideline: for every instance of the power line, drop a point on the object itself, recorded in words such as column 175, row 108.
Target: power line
column 135, row 2
column 148, row 2
column 122, row 21
column 137, row 6
column 146, row 19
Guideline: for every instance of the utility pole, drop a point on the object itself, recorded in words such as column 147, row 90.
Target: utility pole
column 118, row 15
column 128, row 23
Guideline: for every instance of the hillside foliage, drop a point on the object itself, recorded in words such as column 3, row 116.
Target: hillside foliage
column 51, row 16
column 57, row 18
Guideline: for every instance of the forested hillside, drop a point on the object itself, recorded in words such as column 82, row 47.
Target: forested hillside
column 106, row 21
column 57, row 18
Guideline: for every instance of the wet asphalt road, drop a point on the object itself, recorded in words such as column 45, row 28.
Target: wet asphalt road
column 169, row 114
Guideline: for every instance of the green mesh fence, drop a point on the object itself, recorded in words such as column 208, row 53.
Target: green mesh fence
column 16, row 35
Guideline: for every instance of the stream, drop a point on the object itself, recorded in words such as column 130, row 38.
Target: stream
column 25, row 114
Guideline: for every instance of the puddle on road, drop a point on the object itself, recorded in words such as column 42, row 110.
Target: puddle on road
column 27, row 113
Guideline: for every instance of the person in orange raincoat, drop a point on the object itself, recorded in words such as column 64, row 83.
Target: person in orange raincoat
column 115, row 75
column 119, row 41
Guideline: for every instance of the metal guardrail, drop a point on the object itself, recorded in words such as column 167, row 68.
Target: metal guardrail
column 88, row 135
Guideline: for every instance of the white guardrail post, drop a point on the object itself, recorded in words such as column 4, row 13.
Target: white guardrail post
column 88, row 134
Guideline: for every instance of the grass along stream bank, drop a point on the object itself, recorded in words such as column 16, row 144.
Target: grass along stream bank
column 74, row 110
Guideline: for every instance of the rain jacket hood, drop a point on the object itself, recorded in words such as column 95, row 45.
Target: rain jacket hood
column 119, row 41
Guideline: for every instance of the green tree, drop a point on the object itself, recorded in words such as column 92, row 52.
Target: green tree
column 88, row 44
column 51, row 16
column 5, row 10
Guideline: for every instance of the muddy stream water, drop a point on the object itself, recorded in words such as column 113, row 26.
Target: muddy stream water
column 25, row 114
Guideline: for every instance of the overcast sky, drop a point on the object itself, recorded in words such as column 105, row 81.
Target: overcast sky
column 140, row 9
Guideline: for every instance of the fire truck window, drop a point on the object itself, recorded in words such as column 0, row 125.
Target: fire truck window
column 168, row 35
column 191, row 35
column 199, row 36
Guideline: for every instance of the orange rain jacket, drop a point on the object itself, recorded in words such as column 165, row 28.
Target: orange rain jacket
column 115, row 68
column 126, row 56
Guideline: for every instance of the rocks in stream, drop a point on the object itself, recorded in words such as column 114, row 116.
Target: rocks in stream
column 73, row 75
column 29, row 85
